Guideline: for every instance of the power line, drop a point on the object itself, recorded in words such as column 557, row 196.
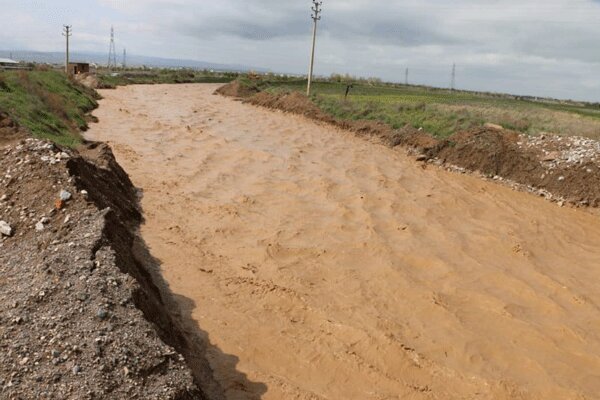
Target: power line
column 112, row 52
column 67, row 33
column 316, row 16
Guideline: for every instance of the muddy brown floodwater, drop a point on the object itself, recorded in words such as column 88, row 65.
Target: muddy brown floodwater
column 323, row 266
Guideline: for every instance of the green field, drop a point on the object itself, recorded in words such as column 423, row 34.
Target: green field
column 47, row 104
column 112, row 79
column 443, row 112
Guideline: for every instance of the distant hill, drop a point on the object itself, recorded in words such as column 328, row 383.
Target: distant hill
column 132, row 60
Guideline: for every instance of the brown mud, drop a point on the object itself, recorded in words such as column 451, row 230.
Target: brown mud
column 9, row 130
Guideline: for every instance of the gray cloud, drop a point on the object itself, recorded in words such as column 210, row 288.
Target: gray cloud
column 542, row 47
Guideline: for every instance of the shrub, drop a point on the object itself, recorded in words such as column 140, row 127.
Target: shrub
column 4, row 84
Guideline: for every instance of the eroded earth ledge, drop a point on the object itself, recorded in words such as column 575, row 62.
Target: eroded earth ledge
column 81, row 315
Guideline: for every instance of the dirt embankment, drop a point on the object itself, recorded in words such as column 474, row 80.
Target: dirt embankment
column 88, row 80
column 237, row 89
column 82, row 316
column 565, row 170
column 10, row 131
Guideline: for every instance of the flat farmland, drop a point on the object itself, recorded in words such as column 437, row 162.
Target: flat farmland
column 443, row 112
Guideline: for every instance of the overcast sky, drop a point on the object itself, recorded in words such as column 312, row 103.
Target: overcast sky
column 539, row 47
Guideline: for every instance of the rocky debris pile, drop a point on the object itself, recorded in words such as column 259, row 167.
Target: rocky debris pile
column 556, row 151
column 70, row 322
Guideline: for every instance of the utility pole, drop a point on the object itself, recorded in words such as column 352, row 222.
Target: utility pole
column 316, row 16
column 67, row 33
column 453, row 80
column 406, row 77
column 112, row 53
column 124, row 58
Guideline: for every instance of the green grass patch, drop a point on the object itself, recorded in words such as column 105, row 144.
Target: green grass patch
column 443, row 112
column 111, row 79
column 47, row 104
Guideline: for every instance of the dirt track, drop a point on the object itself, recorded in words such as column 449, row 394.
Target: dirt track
column 334, row 268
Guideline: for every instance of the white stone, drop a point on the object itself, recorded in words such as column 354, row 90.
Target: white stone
column 65, row 196
column 5, row 229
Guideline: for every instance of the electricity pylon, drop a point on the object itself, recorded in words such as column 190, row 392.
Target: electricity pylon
column 112, row 52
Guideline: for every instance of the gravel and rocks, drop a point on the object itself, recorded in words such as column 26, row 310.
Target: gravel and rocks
column 72, row 323
column 558, row 151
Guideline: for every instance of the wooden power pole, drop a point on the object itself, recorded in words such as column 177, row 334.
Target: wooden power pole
column 316, row 16
column 67, row 33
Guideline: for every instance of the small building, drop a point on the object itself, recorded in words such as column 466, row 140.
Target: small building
column 76, row 68
column 7, row 63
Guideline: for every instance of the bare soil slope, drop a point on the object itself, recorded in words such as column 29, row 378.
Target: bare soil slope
column 80, row 318
column 323, row 266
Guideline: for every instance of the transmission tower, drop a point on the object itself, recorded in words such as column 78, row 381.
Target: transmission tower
column 67, row 33
column 406, row 77
column 124, row 58
column 112, row 53
column 453, row 80
column 316, row 16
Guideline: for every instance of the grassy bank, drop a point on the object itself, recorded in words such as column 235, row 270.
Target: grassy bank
column 443, row 112
column 47, row 104
column 111, row 79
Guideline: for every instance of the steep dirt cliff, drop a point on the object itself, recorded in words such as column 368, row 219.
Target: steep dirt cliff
column 82, row 314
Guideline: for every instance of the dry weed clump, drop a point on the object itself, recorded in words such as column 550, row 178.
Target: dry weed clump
column 529, row 120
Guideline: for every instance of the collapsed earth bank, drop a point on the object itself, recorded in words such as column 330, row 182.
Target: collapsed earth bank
column 562, row 169
column 82, row 314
